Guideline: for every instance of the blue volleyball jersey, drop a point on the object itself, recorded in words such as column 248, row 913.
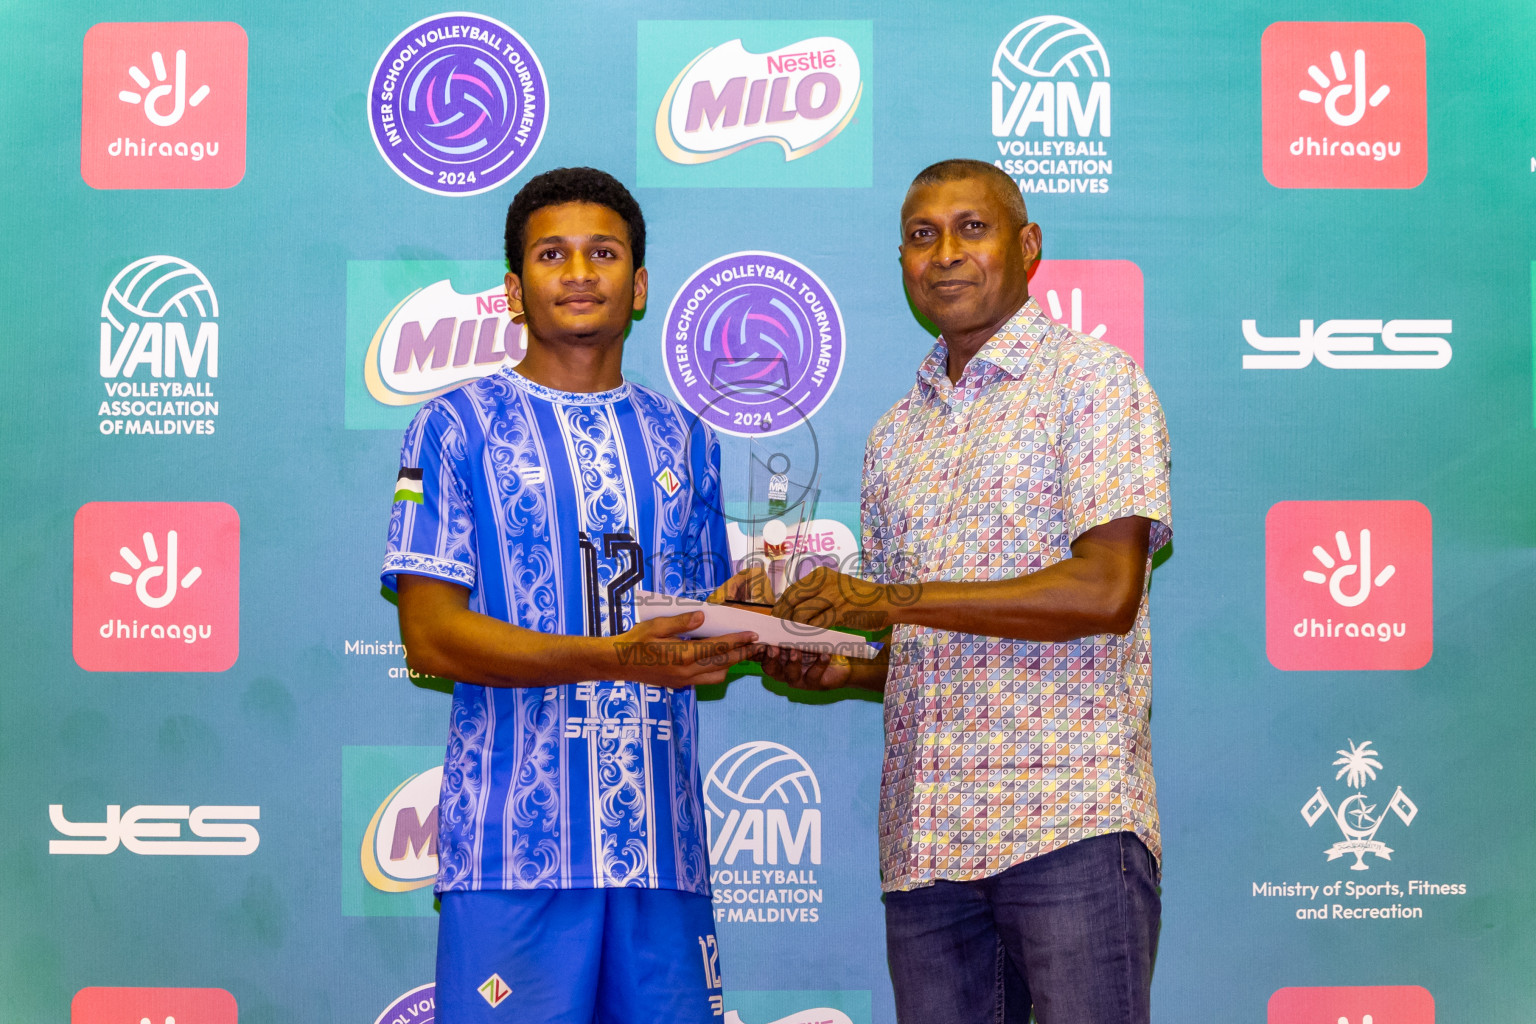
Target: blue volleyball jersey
column 552, row 508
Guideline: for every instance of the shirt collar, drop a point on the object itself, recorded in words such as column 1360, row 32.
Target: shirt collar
column 1009, row 351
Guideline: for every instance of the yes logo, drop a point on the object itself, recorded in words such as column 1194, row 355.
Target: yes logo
column 1344, row 105
column 1349, row 585
column 155, row 830
column 1358, row 1004
column 163, row 105
column 1102, row 298
column 157, row 587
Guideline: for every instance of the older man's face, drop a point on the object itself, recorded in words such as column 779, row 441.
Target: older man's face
column 964, row 259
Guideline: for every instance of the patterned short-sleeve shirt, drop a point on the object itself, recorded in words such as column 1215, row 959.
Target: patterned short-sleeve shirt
column 1001, row 750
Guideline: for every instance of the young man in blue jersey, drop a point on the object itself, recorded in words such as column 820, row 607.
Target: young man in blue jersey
column 573, row 869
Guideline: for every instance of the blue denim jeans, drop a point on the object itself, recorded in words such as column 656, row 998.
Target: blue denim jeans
column 1072, row 933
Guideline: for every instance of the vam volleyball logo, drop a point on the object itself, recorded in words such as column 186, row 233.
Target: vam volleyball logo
column 1349, row 585
column 1101, row 298
column 413, row 335
column 1345, row 105
column 1051, row 107
column 163, row 105
column 157, row 586
column 753, row 343
column 777, row 103
column 159, row 349
column 763, row 805
column 458, row 104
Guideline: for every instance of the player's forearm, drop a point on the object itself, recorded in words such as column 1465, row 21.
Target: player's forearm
column 469, row 647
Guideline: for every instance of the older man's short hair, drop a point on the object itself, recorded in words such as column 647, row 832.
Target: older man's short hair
column 960, row 169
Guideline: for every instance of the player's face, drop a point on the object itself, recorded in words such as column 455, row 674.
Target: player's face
column 579, row 283
column 964, row 260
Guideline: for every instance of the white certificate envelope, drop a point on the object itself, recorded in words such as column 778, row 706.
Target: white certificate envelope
column 720, row 619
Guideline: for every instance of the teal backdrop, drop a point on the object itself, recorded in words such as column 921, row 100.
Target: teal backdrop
column 1340, row 342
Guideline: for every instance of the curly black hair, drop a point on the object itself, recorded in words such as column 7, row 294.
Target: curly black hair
column 572, row 185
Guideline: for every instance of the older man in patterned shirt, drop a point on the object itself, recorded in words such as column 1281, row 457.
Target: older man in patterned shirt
column 1012, row 501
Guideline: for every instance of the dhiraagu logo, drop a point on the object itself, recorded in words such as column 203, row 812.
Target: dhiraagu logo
column 764, row 104
column 419, row 328
column 389, row 830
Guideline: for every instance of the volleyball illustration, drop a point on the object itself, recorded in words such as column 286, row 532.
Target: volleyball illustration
column 752, row 773
column 1046, row 46
column 157, row 286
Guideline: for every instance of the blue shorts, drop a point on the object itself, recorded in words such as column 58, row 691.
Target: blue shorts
column 577, row 956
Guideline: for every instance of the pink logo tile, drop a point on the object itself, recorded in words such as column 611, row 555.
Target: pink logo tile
column 102, row 1005
column 1098, row 297
column 1362, row 1004
column 1349, row 585
column 163, row 105
column 157, row 586
column 1344, row 104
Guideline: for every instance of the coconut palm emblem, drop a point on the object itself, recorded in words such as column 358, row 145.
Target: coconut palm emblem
column 1355, row 815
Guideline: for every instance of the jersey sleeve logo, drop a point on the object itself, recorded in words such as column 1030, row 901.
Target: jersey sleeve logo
column 408, row 486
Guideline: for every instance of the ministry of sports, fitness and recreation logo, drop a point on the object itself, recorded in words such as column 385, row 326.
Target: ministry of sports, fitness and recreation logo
column 163, row 105
column 1051, row 107
column 1344, row 104
column 418, row 1006
column 1358, row 818
column 159, row 350
column 1349, row 585
column 458, row 104
column 1101, row 298
column 156, row 586
column 413, row 335
column 753, row 343
column 763, row 104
